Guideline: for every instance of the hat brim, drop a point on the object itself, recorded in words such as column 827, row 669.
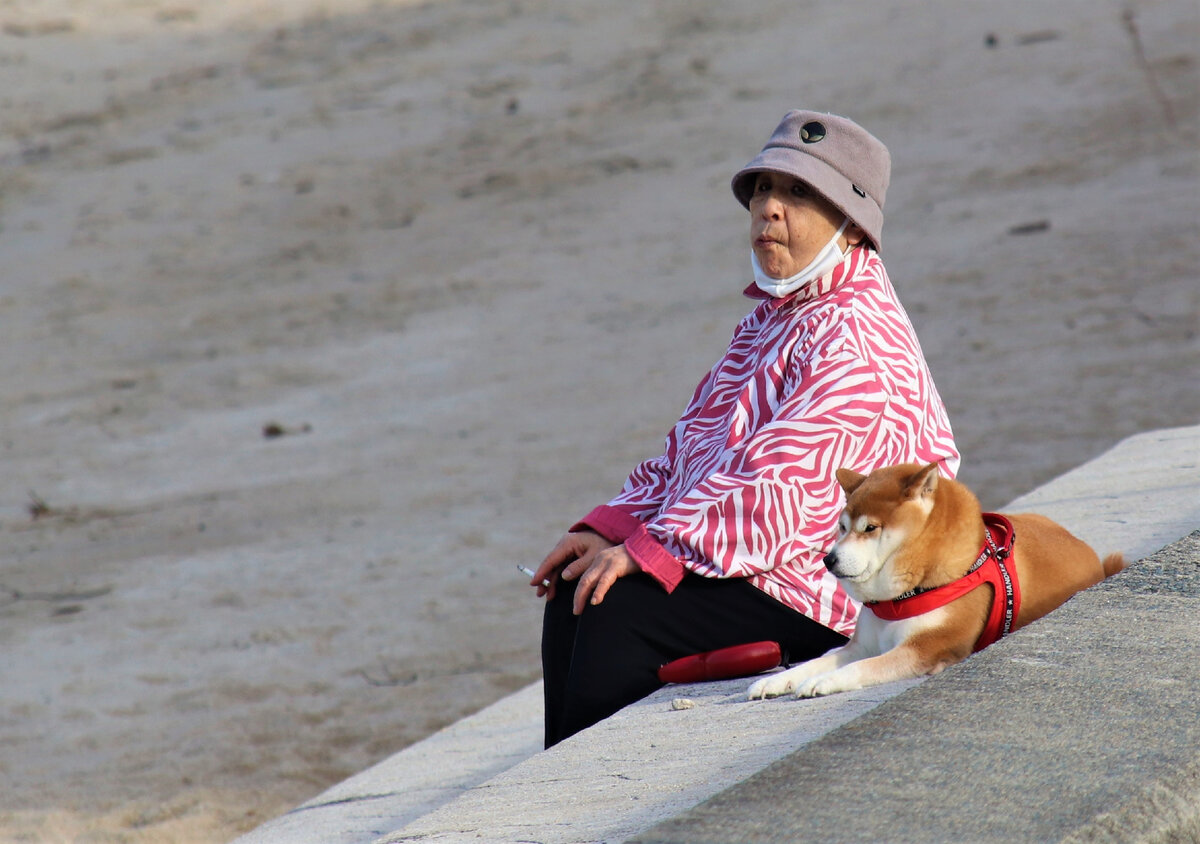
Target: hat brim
column 832, row 185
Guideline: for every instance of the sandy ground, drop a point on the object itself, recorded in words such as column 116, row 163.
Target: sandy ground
column 320, row 317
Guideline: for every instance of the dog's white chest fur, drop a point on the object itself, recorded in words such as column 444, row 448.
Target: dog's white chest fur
column 875, row 635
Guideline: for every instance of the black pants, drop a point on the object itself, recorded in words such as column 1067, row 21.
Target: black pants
column 598, row 662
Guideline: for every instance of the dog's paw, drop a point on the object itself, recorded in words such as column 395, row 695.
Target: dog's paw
column 772, row 686
column 813, row 688
column 822, row 685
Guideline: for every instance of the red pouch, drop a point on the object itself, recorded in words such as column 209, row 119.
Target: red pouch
column 723, row 663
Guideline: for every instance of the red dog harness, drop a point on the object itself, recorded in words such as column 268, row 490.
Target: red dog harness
column 994, row 566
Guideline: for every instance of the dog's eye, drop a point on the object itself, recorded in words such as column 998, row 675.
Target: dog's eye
column 870, row 528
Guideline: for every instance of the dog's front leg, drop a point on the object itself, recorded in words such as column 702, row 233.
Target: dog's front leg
column 900, row 663
column 787, row 681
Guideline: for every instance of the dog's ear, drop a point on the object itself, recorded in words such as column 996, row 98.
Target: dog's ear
column 849, row 480
column 922, row 484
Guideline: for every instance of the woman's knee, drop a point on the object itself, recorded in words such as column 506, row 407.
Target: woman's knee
column 628, row 601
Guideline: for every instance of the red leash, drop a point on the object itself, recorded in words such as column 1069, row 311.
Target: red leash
column 723, row 663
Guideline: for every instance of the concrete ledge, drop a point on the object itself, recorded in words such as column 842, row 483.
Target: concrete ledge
column 647, row 762
column 1082, row 727
column 417, row 780
column 1138, row 496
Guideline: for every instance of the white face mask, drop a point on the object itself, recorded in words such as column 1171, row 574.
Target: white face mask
column 828, row 258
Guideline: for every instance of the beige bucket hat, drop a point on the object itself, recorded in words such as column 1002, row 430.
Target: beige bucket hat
column 839, row 159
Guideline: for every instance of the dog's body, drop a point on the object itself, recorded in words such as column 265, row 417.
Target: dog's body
column 904, row 529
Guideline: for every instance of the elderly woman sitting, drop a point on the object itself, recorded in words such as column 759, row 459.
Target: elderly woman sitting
column 719, row 540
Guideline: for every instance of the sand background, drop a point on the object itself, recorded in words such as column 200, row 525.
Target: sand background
column 320, row 317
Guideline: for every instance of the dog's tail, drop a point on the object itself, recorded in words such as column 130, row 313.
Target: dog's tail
column 1113, row 563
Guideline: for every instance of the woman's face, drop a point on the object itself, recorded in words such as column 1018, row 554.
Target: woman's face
column 790, row 223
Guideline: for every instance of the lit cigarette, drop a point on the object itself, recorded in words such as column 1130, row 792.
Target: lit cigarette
column 545, row 581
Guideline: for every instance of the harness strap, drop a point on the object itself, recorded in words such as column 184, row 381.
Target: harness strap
column 993, row 565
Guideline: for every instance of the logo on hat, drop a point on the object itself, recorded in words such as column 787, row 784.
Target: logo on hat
column 812, row 132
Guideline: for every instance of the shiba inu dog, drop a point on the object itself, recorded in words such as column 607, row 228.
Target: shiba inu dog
column 938, row 579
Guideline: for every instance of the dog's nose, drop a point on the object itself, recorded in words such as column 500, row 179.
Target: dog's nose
column 830, row 560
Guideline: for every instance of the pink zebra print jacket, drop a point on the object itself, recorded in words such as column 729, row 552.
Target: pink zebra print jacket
column 830, row 376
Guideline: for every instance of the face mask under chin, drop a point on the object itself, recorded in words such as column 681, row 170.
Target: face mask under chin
column 829, row 257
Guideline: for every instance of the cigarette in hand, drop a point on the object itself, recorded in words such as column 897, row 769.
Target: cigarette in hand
column 545, row 581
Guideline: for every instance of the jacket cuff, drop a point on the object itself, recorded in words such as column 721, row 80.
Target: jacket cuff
column 613, row 524
column 654, row 559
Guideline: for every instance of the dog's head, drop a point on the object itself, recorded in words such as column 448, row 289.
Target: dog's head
column 884, row 511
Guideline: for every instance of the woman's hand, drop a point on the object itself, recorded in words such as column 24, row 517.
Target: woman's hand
column 578, row 549
column 591, row 558
column 597, row 576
